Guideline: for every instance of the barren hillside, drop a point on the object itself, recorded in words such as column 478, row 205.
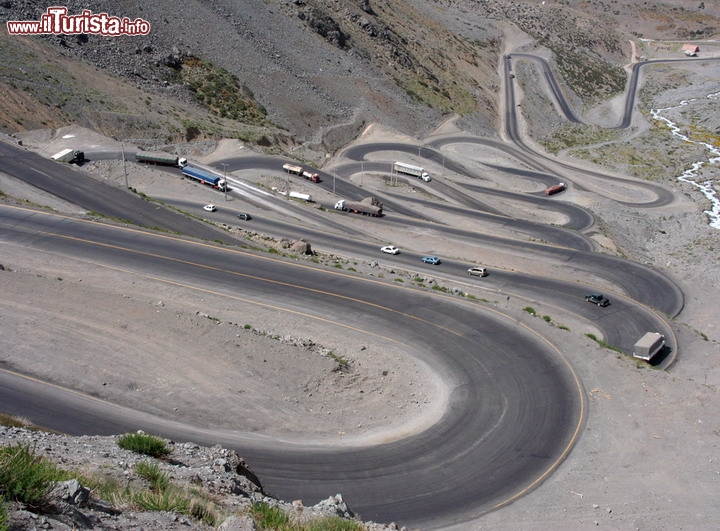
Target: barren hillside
column 315, row 72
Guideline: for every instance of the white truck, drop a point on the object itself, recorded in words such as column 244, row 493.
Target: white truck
column 409, row 169
column 648, row 345
column 69, row 155
column 300, row 195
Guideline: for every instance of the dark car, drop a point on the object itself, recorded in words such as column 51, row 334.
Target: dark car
column 597, row 298
column 244, row 216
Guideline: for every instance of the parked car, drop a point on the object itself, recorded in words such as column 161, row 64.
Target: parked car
column 390, row 249
column 244, row 216
column 210, row 208
column 477, row 271
column 433, row 260
column 597, row 298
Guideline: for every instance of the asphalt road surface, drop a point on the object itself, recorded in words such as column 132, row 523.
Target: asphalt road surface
column 516, row 406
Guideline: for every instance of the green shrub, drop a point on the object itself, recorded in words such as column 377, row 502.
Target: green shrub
column 14, row 422
column 267, row 517
column 3, row 517
column 106, row 488
column 602, row 343
column 142, row 443
column 170, row 500
column 341, row 361
column 332, row 523
column 204, row 511
column 26, row 477
column 530, row 310
column 159, row 481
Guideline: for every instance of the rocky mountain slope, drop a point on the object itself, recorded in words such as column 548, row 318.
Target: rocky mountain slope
column 313, row 73
column 193, row 487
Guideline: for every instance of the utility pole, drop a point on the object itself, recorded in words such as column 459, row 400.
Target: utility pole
column 224, row 165
column 122, row 146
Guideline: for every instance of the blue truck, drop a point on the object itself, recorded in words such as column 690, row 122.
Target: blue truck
column 204, row 177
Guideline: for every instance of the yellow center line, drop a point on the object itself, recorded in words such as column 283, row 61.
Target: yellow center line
column 254, row 277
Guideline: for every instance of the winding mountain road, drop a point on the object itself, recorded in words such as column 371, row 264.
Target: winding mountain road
column 515, row 405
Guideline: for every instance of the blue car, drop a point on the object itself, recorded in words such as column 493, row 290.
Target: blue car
column 433, row 260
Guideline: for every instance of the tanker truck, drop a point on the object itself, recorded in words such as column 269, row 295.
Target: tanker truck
column 162, row 158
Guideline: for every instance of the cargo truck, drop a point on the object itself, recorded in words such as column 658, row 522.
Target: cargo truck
column 310, row 176
column 158, row 157
column 370, row 206
column 298, row 170
column 555, row 189
column 300, row 195
column 409, row 169
column 69, row 155
column 204, row 177
column 648, row 345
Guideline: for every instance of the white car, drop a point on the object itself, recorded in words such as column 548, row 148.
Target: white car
column 390, row 249
column 210, row 208
column 477, row 271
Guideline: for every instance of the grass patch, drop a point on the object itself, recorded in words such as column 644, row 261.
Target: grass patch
column 563, row 327
column 204, row 511
column 341, row 361
column 221, row 92
column 603, row 343
column 27, row 477
column 268, row 517
column 3, row 518
column 144, row 444
column 169, row 500
column 15, row 422
column 159, row 481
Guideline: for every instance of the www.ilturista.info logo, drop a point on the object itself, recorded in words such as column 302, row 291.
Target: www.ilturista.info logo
column 56, row 21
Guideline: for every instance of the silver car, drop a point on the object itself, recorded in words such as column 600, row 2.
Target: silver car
column 477, row 271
